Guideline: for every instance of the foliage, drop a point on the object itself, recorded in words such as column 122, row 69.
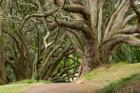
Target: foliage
column 126, row 53
column 10, row 74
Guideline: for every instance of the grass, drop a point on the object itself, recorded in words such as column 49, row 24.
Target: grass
column 119, row 84
column 116, row 70
column 105, row 76
column 114, row 77
column 17, row 87
column 32, row 81
column 13, row 88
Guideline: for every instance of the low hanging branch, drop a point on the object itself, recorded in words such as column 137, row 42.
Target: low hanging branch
column 132, row 41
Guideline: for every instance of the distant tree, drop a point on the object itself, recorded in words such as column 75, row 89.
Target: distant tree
column 30, row 52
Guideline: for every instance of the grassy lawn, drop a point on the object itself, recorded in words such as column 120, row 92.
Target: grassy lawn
column 105, row 76
column 14, row 88
column 17, row 87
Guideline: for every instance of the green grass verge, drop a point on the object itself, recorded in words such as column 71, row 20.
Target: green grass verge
column 17, row 87
column 13, row 88
column 105, row 76
column 117, row 69
column 119, row 84
column 113, row 77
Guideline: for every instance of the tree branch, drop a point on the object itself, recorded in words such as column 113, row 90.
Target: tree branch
column 129, row 30
column 45, row 15
column 1, row 2
column 128, row 39
column 113, row 18
column 132, row 41
column 76, row 25
column 135, row 8
column 120, row 17
column 78, row 9
column 127, row 19
column 77, row 41
column 47, row 44
column 100, row 20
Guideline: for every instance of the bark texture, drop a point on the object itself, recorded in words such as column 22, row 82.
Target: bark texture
column 3, row 79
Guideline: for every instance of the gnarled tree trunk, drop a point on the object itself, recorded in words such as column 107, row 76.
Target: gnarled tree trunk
column 94, row 55
column 3, row 79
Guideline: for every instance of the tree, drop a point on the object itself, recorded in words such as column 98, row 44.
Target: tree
column 101, row 32
column 95, row 27
column 3, row 78
column 30, row 53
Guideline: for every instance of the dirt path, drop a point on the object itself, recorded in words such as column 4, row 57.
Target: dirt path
column 97, row 79
column 62, row 88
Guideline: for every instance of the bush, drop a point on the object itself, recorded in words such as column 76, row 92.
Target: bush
column 125, row 53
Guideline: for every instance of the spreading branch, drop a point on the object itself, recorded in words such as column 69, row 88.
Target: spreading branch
column 78, row 9
column 127, row 19
column 129, row 30
column 44, row 15
column 136, row 10
column 76, row 25
column 112, row 19
column 132, row 41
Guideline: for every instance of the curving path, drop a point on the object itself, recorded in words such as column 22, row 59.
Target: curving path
column 62, row 88
column 99, row 78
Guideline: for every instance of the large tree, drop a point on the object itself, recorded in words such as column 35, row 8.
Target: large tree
column 95, row 27
column 101, row 29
